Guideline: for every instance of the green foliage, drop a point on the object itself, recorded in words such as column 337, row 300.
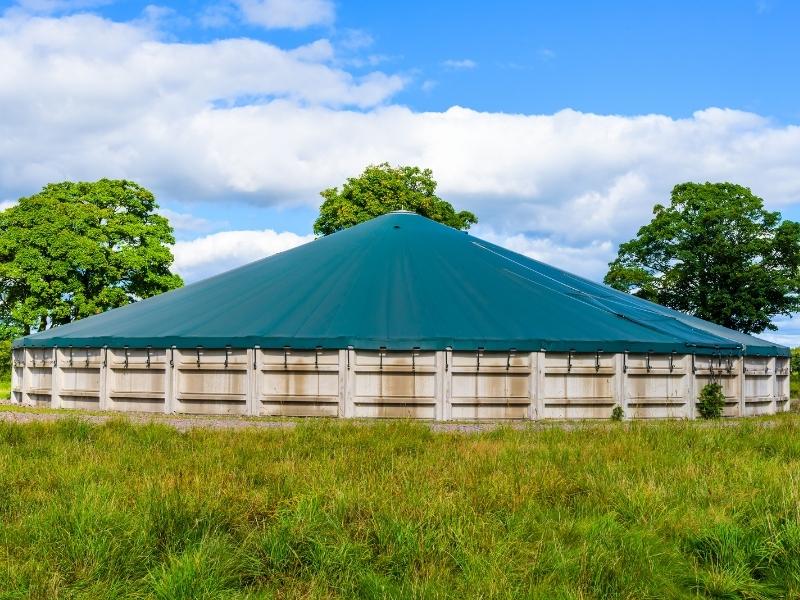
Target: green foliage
column 78, row 249
column 794, row 361
column 715, row 253
column 5, row 358
column 394, row 510
column 381, row 189
column 617, row 414
column 711, row 401
column 5, row 369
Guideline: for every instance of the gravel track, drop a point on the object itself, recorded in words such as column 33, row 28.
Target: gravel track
column 188, row 422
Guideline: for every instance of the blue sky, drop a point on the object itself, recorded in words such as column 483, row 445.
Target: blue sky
column 559, row 124
column 622, row 57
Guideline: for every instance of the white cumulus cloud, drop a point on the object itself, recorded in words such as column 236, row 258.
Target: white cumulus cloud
column 211, row 254
column 292, row 14
column 458, row 64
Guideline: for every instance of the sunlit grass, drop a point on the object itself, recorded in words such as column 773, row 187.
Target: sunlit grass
column 337, row 509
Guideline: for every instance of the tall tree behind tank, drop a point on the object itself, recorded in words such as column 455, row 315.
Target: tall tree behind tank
column 715, row 252
column 381, row 189
column 78, row 249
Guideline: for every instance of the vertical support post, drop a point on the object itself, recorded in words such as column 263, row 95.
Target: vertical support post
column 103, row 400
column 171, row 379
column 16, row 383
column 257, row 361
column 691, row 387
column 55, row 380
column 349, row 382
column 773, row 387
column 25, row 397
column 541, row 390
column 533, row 386
column 250, row 386
column 447, row 385
column 621, row 383
column 343, row 376
column 739, row 370
column 442, row 391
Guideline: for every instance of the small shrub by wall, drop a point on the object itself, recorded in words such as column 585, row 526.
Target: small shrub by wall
column 711, row 401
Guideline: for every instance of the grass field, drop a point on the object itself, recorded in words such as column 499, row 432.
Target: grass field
column 332, row 509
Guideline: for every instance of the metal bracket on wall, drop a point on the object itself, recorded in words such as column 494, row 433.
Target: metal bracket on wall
column 694, row 367
column 55, row 356
column 647, row 360
column 172, row 357
column 126, row 357
column 256, row 350
column 148, row 356
column 349, row 348
column 286, row 356
column 198, row 356
column 625, row 361
column 317, row 352
column 511, row 352
column 105, row 356
column 381, row 350
column 227, row 352
column 447, row 351
column 478, row 359
column 569, row 361
column 86, row 364
column 414, row 351
column 672, row 361
column 70, row 357
column 597, row 361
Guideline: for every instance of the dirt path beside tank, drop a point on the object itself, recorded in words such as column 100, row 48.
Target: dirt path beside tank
column 15, row 414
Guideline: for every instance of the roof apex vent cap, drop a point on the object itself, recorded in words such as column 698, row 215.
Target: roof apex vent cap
column 402, row 212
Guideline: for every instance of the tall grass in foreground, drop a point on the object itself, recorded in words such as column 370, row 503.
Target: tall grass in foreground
column 337, row 509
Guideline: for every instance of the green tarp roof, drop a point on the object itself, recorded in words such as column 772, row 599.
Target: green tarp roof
column 401, row 281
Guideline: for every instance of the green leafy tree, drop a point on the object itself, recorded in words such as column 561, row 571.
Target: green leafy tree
column 78, row 249
column 715, row 253
column 381, row 189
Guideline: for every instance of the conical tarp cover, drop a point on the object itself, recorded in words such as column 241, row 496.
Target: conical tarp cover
column 401, row 281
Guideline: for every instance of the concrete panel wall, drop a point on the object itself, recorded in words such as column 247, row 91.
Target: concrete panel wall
column 136, row 379
column 78, row 378
column 17, row 371
column 579, row 386
column 759, row 385
column 297, row 383
column 211, row 381
column 413, row 384
column 727, row 371
column 490, row 385
column 657, row 386
column 394, row 384
column 37, row 374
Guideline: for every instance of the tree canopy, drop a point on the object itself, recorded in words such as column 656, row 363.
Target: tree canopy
column 77, row 249
column 381, row 189
column 715, row 252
